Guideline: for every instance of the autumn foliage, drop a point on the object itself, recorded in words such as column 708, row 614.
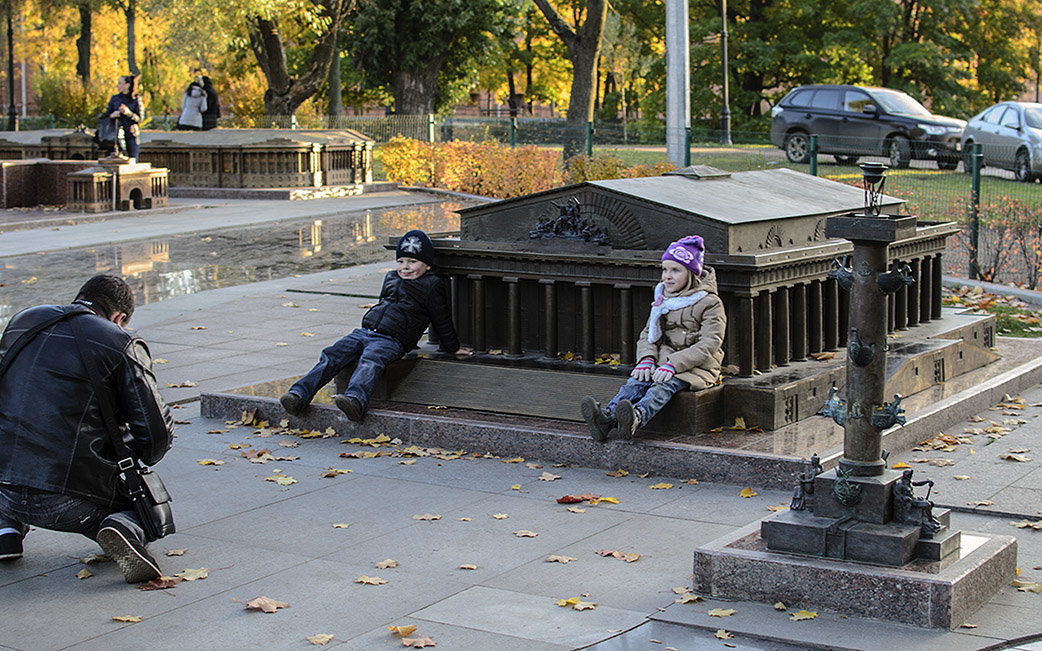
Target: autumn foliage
column 483, row 168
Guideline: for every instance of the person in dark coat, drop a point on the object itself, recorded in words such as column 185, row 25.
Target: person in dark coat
column 126, row 108
column 58, row 468
column 410, row 300
column 213, row 105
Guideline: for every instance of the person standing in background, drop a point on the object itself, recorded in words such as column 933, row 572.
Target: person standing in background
column 213, row 105
column 193, row 105
column 126, row 108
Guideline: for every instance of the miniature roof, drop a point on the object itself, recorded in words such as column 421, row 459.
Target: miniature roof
column 737, row 198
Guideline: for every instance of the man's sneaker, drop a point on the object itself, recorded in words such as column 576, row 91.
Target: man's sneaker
column 128, row 553
column 292, row 403
column 349, row 406
column 10, row 546
column 629, row 419
column 600, row 422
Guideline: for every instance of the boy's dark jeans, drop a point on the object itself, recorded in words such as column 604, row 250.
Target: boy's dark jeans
column 648, row 398
column 373, row 351
column 21, row 506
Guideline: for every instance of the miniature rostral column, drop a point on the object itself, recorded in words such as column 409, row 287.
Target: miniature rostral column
column 862, row 511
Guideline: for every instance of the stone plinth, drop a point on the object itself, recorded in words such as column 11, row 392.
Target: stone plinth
column 930, row 594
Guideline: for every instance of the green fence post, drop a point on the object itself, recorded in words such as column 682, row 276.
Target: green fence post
column 589, row 139
column 430, row 127
column 687, row 146
column 513, row 133
column 813, row 155
column 978, row 159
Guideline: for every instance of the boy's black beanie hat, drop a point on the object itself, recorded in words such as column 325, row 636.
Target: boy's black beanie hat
column 415, row 244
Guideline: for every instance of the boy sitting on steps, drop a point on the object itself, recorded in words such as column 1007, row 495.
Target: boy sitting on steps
column 410, row 299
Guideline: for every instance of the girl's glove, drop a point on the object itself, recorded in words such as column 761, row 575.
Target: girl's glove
column 643, row 370
column 664, row 373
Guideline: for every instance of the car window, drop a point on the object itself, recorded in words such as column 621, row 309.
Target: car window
column 1033, row 117
column 993, row 114
column 894, row 101
column 855, row 101
column 800, row 98
column 1011, row 118
column 827, row 98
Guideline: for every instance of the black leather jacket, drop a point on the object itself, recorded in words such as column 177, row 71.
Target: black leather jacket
column 406, row 307
column 52, row 435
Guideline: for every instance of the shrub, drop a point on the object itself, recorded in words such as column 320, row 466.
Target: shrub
column 610, row 166
column 487, row 168
column 69, row 101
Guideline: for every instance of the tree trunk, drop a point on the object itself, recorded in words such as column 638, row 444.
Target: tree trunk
column 130, row 11
column 83, row 43
column 415, row 90
column 512, row 93
column 286, row 93
column 584, row 48
column 336, row 97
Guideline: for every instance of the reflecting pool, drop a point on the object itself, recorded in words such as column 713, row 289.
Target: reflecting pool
column 194, row 262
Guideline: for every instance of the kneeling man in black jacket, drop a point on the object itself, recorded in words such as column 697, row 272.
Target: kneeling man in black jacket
column 410, row 300
column 58, row 468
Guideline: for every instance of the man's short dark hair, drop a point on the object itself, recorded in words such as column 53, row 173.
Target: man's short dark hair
column 110, row 294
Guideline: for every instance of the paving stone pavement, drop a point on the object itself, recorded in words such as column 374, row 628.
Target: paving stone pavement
column 260, row 538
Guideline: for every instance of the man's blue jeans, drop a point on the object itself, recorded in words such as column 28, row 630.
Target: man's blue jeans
column 373, row 351
column 21, row 506
column 648, row 398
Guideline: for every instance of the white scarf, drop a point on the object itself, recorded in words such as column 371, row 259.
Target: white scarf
column 662, row 305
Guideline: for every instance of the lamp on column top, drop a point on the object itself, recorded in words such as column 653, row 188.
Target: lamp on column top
column 873, row 178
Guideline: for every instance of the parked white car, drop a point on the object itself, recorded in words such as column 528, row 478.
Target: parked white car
column 1010, row 136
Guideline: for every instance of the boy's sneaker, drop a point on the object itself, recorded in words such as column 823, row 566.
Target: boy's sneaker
column 126, row 550
column 599, row 421
column 629, row 419
column 349, row 406
column 10, row 546
column 292, row 403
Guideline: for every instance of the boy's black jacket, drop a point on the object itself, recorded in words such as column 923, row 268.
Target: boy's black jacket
column 407, row 306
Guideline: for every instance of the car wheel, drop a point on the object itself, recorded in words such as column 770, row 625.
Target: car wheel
column 948, row 162
column 900, row 152
column 1022, row 167
column 846, row 160
column 797, row 147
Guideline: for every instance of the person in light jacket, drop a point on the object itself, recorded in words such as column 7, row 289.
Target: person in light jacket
column 193, row 105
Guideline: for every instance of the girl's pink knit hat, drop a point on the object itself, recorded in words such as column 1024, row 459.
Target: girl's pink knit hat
column 687, row 252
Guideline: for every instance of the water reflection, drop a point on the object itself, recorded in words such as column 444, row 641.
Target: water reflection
column 196, row 262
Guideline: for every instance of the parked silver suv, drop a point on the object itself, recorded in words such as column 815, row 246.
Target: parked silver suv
column 854, row 121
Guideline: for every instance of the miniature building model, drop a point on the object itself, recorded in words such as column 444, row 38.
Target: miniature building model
column 136, row 185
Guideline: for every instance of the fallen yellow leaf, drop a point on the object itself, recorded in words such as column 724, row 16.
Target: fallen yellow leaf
column 468, row 566
column 266, row 604
column 176, row 552
column 576, row 509
column 403, row 631
column 1027, row 586
column 210, row 462
column 514, row 460
column 802, row 615
column 721, row 612
column 900, row 465
column 500, row 516
column 748, row 492
column 780, row 606
column 418, row 642
column 548, row 476
column 661, row 486
column 320, row 638
column 618, row 473
column 609, row 500
column 525, row 533
column 126, row 618
column 557, row 558
column 370, row 580
column 84, row 574
column 383, row 565
column 341, row 525
column 721, row 634
column 192, row 575
column 427, row 516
